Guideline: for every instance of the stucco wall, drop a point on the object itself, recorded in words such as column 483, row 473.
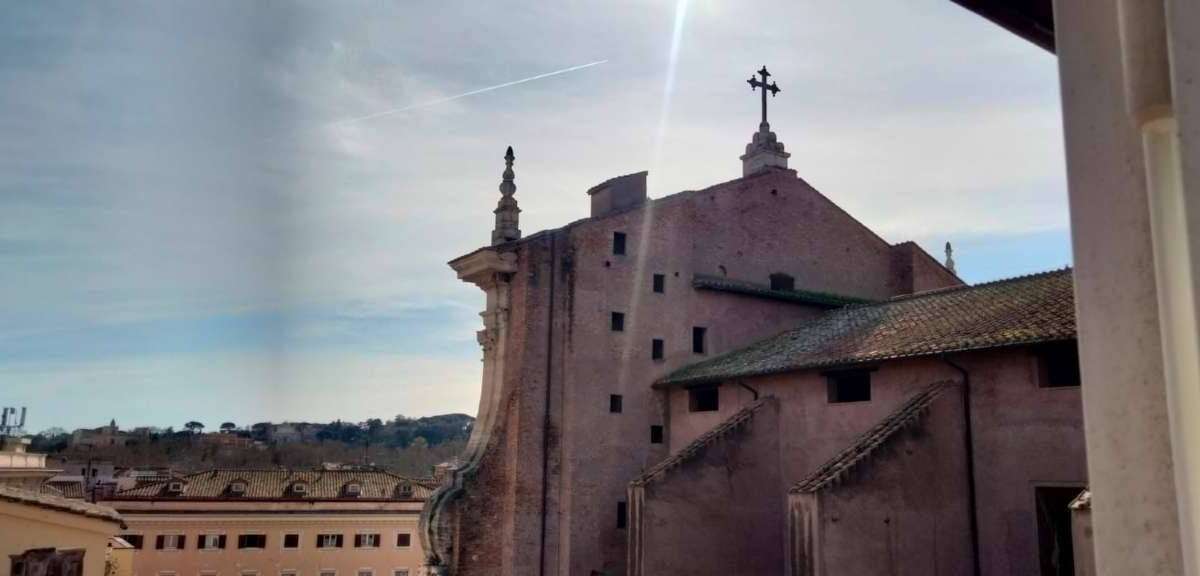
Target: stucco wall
column 721, row 512
column 23, row 527
column 902, row 512
column 1024, row 436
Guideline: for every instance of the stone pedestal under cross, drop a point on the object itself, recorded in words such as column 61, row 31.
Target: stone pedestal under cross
column 764, row 149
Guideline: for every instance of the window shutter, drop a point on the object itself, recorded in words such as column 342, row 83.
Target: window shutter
column 182, row 542
column 358, row 538
column 339, row 540
column 159, row 541
column 221, row 541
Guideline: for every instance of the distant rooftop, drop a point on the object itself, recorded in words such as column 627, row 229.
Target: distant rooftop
column 1022, row 310
column 53, row 501
column 232, row 484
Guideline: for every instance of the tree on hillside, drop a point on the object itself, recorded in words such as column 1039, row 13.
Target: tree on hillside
column 228, row 427
column 194, row 427
column 260, row 430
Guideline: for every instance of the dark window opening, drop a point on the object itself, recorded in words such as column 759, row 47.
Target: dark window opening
column 252, row 541
column 660, row 283
column 706, row 399
column 619, row 243
column 698, row 333
column 849, row 386
column 329, row 541
column 1058, row 365
column 291, row 540
column 781, row 281
column 656, row 434
column 135, row 540
column 403, row 540
column 622, row 514
column 1055, row 551
column 656, row 349
column 614, row 403
column 618, row 322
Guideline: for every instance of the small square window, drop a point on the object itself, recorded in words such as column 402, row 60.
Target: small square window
column 210, row 541
column 849, row 386
column 656, row 434
column 614, row 403
column 366, row 540
column 698, row 334
column 1058, row 365
column 403, row 540
column 781, row 281
column 291, row 541
column 329, row 540
column 705, row 399
column 618, row 322
column 619, row 243
column 622, row 514
column 660, row 283
column 656, row 349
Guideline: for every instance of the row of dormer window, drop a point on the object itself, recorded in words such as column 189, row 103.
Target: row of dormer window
column 258, row 541
column 238, row 488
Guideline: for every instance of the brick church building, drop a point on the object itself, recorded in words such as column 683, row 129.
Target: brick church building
column 744, row 379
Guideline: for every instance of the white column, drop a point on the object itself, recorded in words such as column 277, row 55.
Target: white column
column 1126, row 412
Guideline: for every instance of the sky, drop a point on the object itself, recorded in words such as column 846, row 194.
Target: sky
column 242, row 211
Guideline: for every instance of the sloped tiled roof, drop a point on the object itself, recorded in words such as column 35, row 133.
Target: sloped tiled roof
column 66, row 488
column 906, row 415
column 821, row 299
column 722, row 430
column 280, row 485
column 54, row 502
column 1023, row 310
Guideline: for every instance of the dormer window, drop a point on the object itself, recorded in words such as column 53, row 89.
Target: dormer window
column 175, row 487
column 237, row 488
column 300, row 488
column 353, row 489
column 405, row 490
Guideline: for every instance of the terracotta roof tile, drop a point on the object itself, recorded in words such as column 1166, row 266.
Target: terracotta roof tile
column 906, row 415
column 821, row 299
column 722, row 430
column 54, row 502
column 1024, row 310
column 282, row 485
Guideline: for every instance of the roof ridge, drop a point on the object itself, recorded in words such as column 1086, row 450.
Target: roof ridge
column 981, row 285
column 717, row 432
column 871, row 440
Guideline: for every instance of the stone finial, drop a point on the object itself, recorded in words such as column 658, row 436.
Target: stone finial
column 507, row 212
column 950, row 258
column 764, row 149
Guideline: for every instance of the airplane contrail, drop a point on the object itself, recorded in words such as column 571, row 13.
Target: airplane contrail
column 464, row 94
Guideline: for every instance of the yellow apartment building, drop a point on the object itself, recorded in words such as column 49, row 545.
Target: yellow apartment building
column 275, row 523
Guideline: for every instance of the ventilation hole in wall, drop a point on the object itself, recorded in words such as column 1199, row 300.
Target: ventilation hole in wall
column 774, row 192
column 676, row 274
column 607, row 263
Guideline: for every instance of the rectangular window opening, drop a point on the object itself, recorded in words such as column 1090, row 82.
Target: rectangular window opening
column 698, row 334
column 1058, row 365
column 622, row 514
column 849, row 386
column 252, row 541
column 704, row 399
column 660, row 282
column 403, row 540
column 135, row 540
column 329, row 540
column 1055, row 548
column 366, row 540
column 614, row 403
column 656, row 434
column 656, row 349
column 291, row 540
column 618, row 322
column 619, row 243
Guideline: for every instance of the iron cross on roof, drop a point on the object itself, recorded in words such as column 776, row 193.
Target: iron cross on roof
column 772, row 88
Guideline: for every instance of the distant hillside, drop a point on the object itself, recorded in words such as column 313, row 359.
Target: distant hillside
column 404, row 445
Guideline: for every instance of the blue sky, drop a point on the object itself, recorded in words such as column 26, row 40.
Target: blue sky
column 191, row 228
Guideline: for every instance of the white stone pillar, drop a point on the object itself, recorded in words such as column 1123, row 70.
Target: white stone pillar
column 1126, row 412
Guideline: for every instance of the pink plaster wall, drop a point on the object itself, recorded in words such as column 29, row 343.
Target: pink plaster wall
column 1024, row 435
column 904, row 512
column 719, row 513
